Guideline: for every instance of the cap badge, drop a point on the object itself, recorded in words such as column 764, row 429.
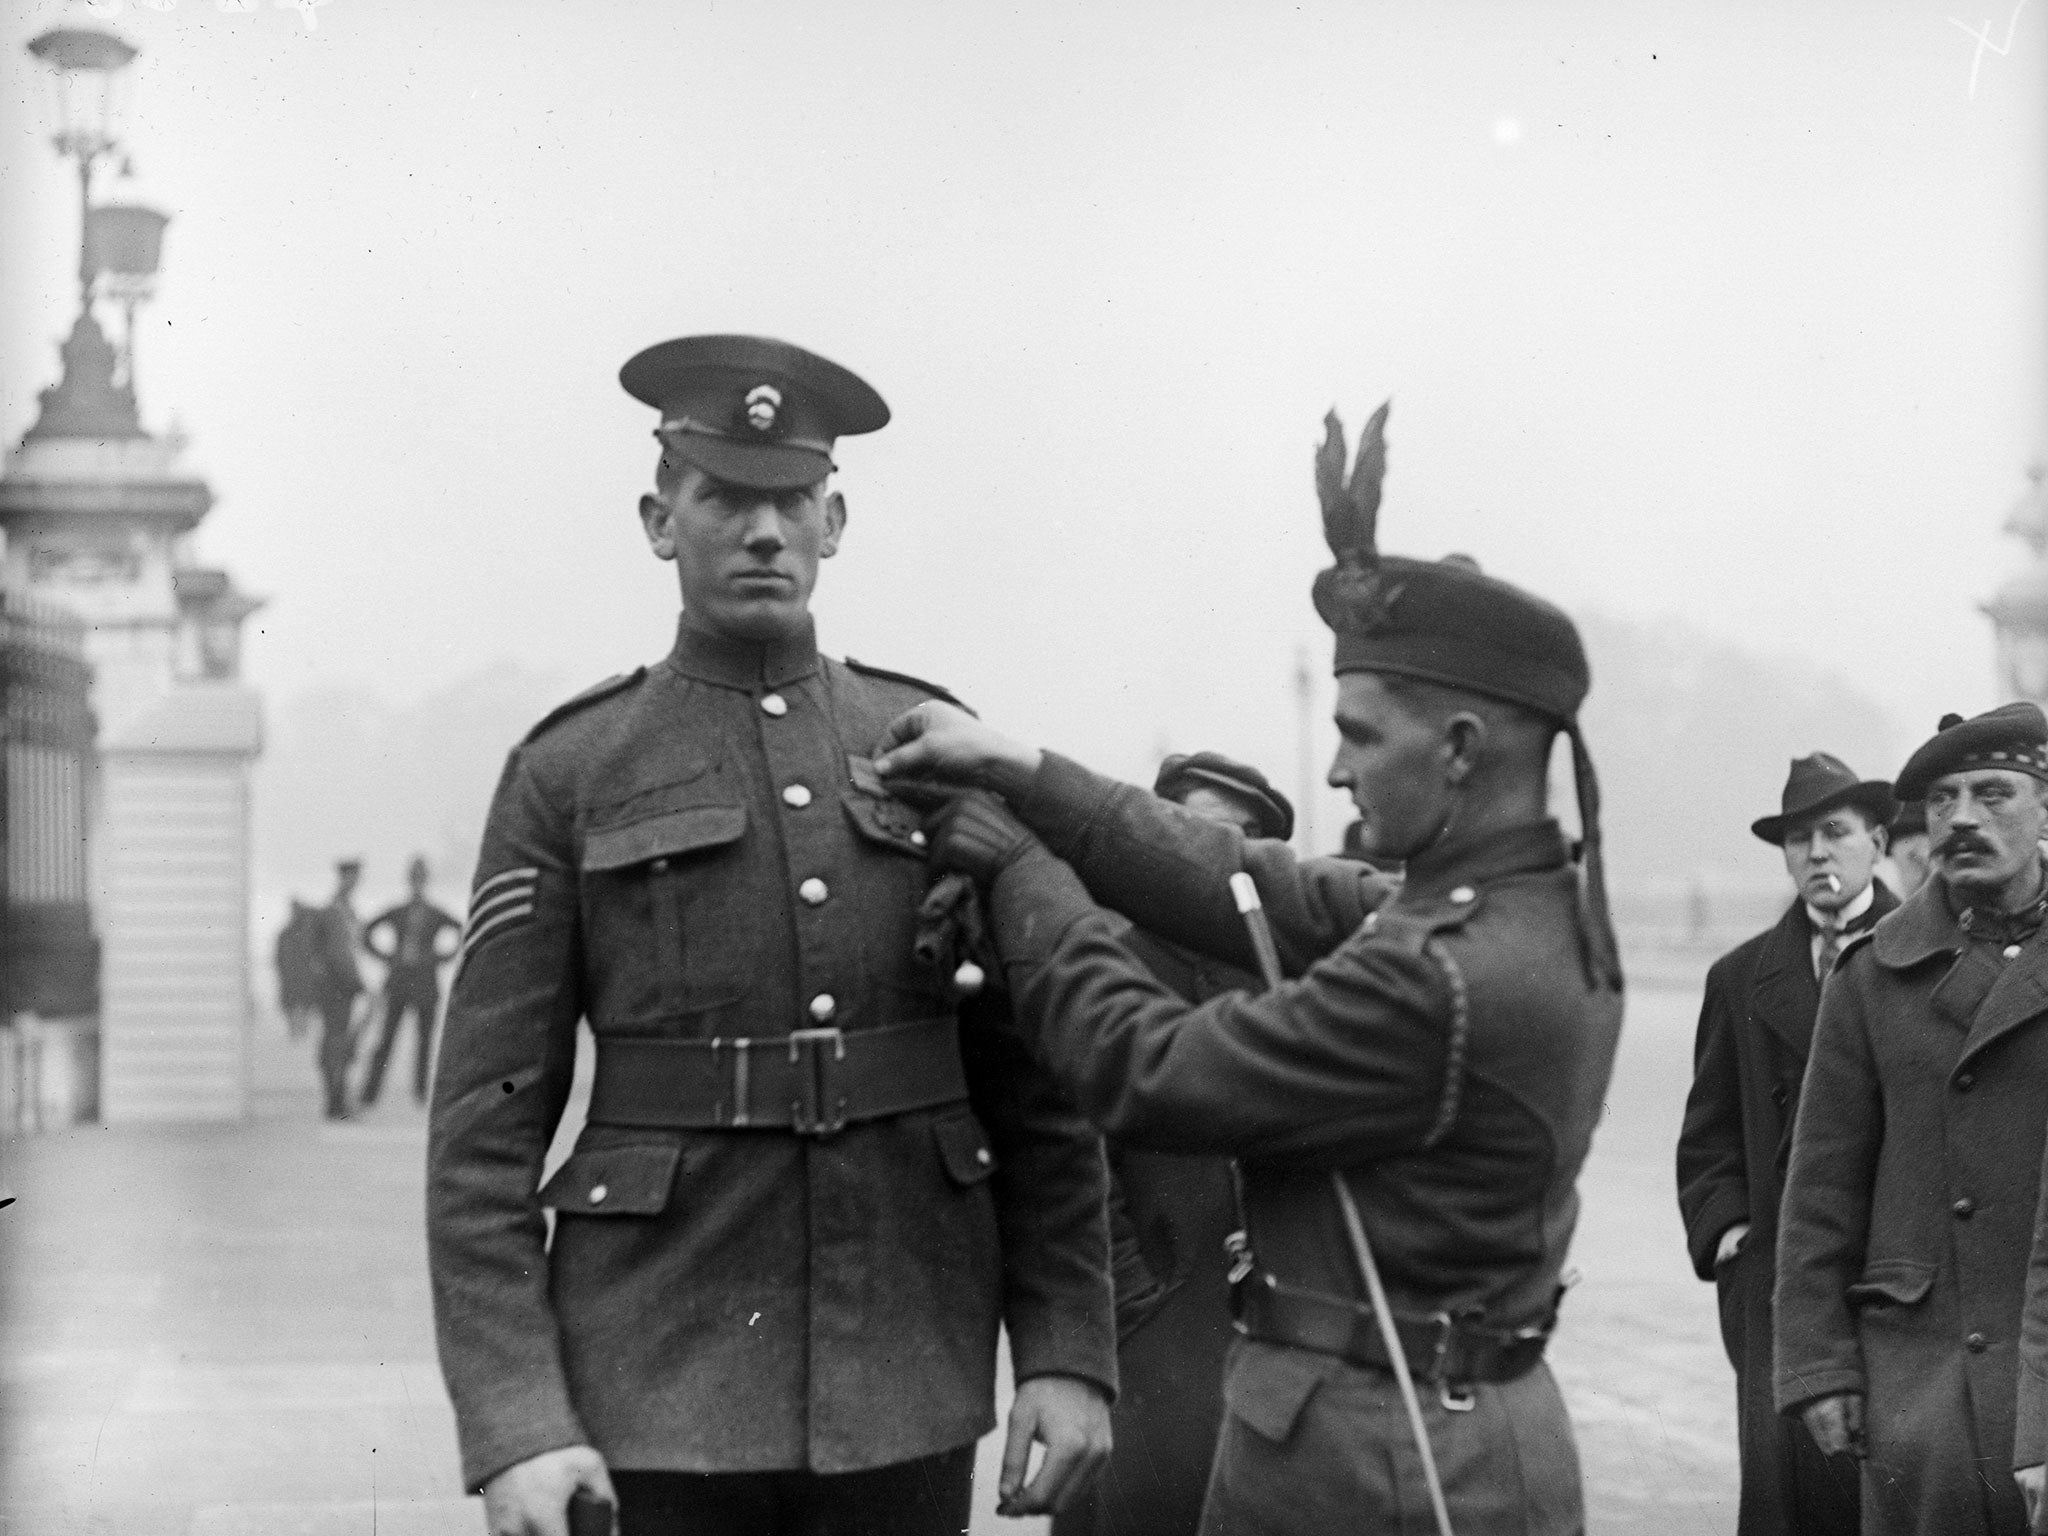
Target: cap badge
column 764, row 403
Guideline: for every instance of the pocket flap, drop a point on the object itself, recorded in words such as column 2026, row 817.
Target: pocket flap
column 963, row 1149
column 1267, row 1387
column 670, row 833
column 614, row 1181
column 1897, row 1282
column 886, row 821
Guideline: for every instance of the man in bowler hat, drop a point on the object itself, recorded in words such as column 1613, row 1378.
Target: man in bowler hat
column 1755, row 1028
column 1442, row 1051
column 805, row 1198
column 1908, row 1211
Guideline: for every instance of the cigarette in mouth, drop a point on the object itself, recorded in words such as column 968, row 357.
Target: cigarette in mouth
column 1835, row 884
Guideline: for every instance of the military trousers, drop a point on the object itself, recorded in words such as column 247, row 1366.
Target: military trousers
column 929, row 1496
column 1312, row 1443
column 337, row 1047
column 417, row 992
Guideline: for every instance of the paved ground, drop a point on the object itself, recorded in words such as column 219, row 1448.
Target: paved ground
column 225, row 1332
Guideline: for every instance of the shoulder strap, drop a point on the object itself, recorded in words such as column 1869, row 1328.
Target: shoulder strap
column 586, row 698
column 904, row 677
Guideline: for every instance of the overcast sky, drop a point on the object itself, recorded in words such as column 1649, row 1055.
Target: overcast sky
column 1732, row 313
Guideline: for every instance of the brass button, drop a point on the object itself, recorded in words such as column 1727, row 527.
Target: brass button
column 918, row 839
column 823, row 1007
column 659, row 866
column 813, row 892
column 1976, row 1343
column 1964, row 1208
column 1463, row 894
column 2012, row 951
column 598, row 1192
column 774, row 704
column 981, row 1156
column 1965, row 1081
column 796, row 795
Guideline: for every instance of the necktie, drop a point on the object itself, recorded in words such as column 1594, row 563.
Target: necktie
column 1830, row 951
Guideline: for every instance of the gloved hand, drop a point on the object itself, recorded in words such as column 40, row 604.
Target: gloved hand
column 976, row 834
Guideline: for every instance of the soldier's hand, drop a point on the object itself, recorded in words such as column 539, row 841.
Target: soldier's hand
column 939, row 742
column 1836, row 1423
column 531, row 1497
column 1070, row 1418
column 2031, row 1480
column 976, row 834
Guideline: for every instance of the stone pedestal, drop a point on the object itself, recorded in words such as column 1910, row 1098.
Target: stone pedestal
column 175, row 1000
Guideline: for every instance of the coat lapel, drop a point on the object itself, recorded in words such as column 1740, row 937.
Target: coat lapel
column 2019, row 995
column 1785, row 995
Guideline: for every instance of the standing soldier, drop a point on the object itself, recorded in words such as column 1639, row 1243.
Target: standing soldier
column 1909, row 1201
column 1756, row 1026
column 1435, row 1066
column 340, row 984
column 1170, row 1219
column 407, row 938
column 805, row 1197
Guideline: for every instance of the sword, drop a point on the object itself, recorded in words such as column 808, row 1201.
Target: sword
column 1253, row 911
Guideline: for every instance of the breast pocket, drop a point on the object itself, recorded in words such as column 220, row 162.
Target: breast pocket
column 665, row 904
column 892, row 877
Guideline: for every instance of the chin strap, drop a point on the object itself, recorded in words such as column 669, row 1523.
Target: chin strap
column 1598, row 947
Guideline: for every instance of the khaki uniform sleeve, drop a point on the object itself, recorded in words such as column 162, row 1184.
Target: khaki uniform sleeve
column 1051, row 1187
column 1169, row 870
column 1345, row 1063
column 507, row 1055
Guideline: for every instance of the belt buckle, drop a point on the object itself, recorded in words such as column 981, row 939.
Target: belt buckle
column 819, row 1109
column 1455, row 1396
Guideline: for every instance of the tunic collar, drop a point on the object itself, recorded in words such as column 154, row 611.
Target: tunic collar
column 1527, row 849
column 744, row 664
column 1925, row 924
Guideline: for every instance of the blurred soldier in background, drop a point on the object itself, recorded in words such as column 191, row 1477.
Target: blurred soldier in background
column 1756, row 1026
column 1909, row 1203
column 805, row 1197
column 1906, row 864
column 407, row 938
column 1170, row 1219
column 1434, row 1068
column 340, row 983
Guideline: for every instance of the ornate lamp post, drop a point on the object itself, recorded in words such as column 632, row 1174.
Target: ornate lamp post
column 119, row 244
column 88, row 65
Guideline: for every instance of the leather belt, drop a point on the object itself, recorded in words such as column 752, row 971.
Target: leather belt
column 1454, row 1350
column 813, row 1081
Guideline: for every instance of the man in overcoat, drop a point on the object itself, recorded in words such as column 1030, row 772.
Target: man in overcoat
column 1439, row 1057
column 1909, row 1202
column 1171, row 1216
column 805, row 1197
column 1756, row 1025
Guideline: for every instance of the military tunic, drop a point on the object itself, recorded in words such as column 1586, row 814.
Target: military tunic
column 1445, row 1051
column 700, row 852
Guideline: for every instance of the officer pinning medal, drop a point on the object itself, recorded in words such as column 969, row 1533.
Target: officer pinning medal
column 1410, row 1100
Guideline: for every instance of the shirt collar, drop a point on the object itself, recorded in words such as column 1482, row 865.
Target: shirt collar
column 744, row 664
column 1823, row 921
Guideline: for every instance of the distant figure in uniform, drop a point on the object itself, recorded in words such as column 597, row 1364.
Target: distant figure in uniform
column 1755, row 1028
column 340, row 982
column 407, row 938
column 806, row 1197
column 1907, row 865
column 1171, row 1217
column 1908, row 1213
column 1446, row 1048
